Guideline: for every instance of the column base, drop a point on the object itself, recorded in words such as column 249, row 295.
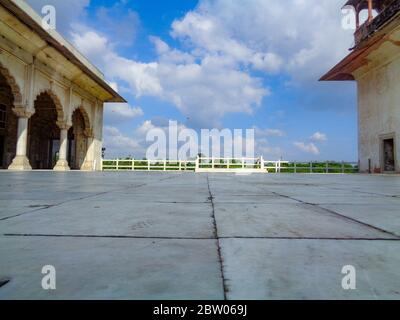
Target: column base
column 20, row 163
column 62, row 165
column 87, row 166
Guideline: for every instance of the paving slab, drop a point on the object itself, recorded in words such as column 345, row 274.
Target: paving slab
column 14, row 207
column 240, row 199
column 111, row 268
column 289, row 220
column 140, row 235
column 355, row 199
column 386, row 216
column 94, row 217
column 157, row 194
column 310, row 269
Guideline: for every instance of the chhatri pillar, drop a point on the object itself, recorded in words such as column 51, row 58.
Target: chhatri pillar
column 62, row 163
column 21, row 161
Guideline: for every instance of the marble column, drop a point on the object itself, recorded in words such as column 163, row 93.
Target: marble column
column 88, row 164
column 21, row 162
column 62, row 163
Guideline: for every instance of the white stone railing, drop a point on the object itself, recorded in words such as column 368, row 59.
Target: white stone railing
column 249, row 165
column 148, row 165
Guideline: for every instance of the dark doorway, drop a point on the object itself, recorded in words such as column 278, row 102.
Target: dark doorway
column 71, row 149
column 8, row 125
column 3, row 116
column 3, row 119
column 77, row 141
column 1, row 150
column 44, row 134
column 388, row 155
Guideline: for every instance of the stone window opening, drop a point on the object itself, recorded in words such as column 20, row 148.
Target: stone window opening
column 389, row 163
column 388, row 153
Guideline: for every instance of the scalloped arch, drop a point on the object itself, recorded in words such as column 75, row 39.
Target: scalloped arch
column 56, row 100
column 85, row 116
column 13, row 85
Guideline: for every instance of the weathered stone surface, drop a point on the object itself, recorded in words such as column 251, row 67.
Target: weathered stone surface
column 20, row 163
column 155, row 236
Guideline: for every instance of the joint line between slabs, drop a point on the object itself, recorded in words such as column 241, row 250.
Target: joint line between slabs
column 79, row 199
column 221, row 260
column 339, row 215
column 190, row 238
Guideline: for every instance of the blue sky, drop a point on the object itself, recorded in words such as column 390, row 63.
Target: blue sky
column 220, row 64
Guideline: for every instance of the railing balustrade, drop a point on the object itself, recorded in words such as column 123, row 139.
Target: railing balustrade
column 203, row 164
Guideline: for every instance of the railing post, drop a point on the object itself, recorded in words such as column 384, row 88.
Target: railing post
column 180, row 165
column 197, row 167
column 212, row 163
column 148, row 165
column 133, row 164
column 242, row 163
column 165, row 165
column 262, row 163
column 117, row 167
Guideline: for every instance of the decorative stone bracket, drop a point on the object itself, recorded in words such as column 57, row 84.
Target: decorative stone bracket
column 63, row 125
column 22, row 112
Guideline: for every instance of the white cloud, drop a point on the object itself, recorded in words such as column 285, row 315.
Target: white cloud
column 145, row 127
column 117, row 112
column 267, row 62
column 114, row 85
column 203, row 91
column 294, row 35
column 224, row 43
column 90, row 43
column 319, row 137
column 307, row 147
column 119, row 145
column 268, row 132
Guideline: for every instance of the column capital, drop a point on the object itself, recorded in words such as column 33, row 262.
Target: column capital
column 63, row 125
column 22, row 112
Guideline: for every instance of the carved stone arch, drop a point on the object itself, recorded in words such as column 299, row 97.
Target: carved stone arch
column 86, row 119
column 81, row 133
column 13, row 85
column 56, row 101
